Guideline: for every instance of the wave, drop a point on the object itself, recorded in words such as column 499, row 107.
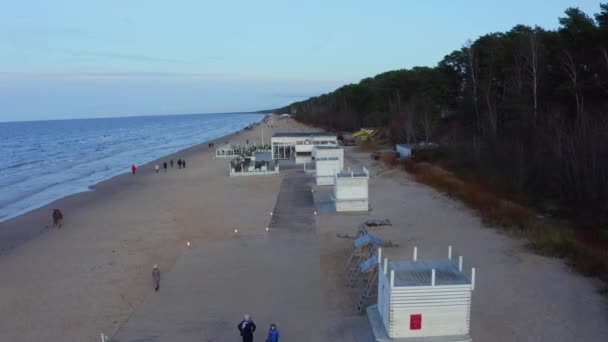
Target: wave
column 45, row 166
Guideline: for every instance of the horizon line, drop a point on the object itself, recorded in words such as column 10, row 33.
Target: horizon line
column 137, row 116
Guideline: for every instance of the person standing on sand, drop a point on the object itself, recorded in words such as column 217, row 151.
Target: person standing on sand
column 155, row 277
column 184, row 163
column 133, row 169
column 156, row 168
column 165, row 166
column 179, row 163
column 247, row 328
column 171, row 163
column 273, row 334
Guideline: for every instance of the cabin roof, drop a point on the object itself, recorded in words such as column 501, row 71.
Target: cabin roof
column 303, row 134
column 418, row 273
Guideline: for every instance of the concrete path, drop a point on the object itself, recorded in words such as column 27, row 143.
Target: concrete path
column 275, row 276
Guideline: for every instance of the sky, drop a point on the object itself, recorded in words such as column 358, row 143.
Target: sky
column 78, row 59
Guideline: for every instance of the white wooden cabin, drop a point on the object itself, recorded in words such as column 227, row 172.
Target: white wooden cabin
column 423, row 299
column 329, row 151
column 351, row 190
column 326, row 169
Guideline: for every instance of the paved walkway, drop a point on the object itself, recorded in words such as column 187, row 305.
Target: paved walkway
column 274, row 276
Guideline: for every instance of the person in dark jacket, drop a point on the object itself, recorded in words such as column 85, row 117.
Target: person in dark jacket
column 155, row 277
column 184, row 163
column 179, row 163
column 247, row 328
column 165, row 166
column 273, row 334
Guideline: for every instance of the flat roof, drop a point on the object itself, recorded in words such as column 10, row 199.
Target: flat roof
column 303, row 134
column 331, row 147
column 418, row 273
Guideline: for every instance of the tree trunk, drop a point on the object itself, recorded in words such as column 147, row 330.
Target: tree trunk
column 572, row 72
column 474, row 74
column 534, row 74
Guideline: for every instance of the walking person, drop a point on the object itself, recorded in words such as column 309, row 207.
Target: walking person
column 165, row 166
column 247, row 328
column 179, row 163
column 155, row 277
column 171, row 163
column 273, row 334
column 133, row 169
column 156, row 168
column 184, row 163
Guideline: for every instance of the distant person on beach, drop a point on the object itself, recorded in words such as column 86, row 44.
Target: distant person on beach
column 184, row 163
column 155, row 277
column 247, row 328
column 57, row 218
column 179, row 163
column 171, row 163
column 165, row 166
column 156, row 168
column 273, row 334
column 133, row 169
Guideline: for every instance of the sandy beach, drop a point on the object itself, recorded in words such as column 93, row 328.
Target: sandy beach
column 94, row 275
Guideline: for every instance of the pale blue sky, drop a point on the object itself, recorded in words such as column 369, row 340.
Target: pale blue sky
column 67, row 59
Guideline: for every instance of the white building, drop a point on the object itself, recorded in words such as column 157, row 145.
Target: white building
column 326, row 169
column 404, row 150
column 351, row 190
column 329, row 151
column 420, row 300
column 329, row 160
column 299, row 145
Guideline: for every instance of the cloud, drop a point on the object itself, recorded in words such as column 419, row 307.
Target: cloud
column 126, row 56
column 127, row 75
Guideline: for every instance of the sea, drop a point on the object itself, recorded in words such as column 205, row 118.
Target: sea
column 42, row 161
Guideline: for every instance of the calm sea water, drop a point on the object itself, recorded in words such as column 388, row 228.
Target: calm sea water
column 42, row 161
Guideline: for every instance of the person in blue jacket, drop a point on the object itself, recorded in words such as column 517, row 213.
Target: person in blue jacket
column 273, row 334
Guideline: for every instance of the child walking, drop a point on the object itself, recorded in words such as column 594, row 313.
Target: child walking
column 273, row 334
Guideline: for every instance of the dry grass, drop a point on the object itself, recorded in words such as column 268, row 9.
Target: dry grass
column 389, row 158
column 365, row 146
column 587, row 257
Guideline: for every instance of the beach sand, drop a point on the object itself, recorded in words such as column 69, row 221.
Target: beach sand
column 94, row 275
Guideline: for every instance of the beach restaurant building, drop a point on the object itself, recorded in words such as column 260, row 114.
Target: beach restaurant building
column 299, row 145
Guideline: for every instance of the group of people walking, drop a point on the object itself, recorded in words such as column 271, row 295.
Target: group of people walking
column 181, row 163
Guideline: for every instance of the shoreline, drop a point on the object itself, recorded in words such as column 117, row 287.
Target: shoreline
column 18, row 230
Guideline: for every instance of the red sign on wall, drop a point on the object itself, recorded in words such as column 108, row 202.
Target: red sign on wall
column 415, row 322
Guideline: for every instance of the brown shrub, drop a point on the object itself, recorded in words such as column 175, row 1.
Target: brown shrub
column 589, row 258
column 365, row 146
column 389, row 158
